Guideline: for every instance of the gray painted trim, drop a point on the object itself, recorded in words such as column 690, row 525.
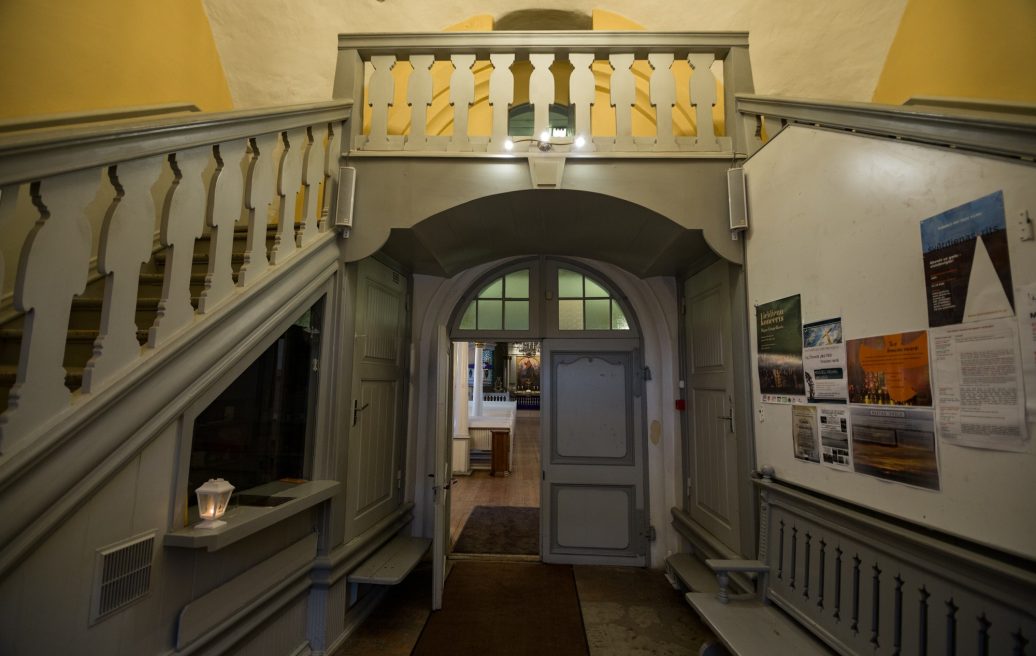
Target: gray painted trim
column 560, row 42
column 26, row 157
column 995, row 134
column 329, row 569
column 73, row 118
column 70, row 459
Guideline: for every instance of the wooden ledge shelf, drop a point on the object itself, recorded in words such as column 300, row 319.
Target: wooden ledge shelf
column 391, row 563
column 243, row 521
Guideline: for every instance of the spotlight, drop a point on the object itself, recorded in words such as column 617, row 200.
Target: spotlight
column 580, row 141
column 508, row 145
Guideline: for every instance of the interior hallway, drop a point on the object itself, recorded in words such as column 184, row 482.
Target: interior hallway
column 521, row 488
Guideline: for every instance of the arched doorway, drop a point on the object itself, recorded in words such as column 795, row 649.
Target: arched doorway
column 586, row 402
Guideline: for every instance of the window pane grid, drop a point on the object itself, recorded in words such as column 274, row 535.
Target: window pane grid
column 584, row 304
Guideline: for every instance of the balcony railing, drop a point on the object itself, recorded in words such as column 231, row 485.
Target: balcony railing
column 118, row 237
column 619, row 92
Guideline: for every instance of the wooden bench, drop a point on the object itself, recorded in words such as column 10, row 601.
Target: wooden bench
column 834, row 579
column 392, row 562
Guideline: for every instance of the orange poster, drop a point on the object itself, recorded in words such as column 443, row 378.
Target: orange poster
column 890, row 369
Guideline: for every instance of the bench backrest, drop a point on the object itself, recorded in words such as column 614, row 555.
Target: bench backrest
column 865, row 584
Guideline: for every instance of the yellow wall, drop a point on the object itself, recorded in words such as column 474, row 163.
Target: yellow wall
column 962, row 48
column 61, row 56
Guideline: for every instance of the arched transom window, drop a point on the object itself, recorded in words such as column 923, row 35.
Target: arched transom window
column 543, row 298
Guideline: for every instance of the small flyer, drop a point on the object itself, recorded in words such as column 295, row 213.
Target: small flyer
column 823, row 362
column 804, row 432
column 896, row 444
column 835, row 449
column 890, row 369
column 966, row 263
column 779, row 341
column 978, row 374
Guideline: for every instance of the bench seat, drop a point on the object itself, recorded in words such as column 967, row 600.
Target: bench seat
column 391, row 563
column 752, row 628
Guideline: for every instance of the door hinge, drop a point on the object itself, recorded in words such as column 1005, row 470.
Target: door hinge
column 651, row 534
column 689, row 487
column 399, row 479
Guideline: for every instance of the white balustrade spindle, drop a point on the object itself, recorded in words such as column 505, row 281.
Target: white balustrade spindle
column 259, row 189
column 703, row 96
column 623, row 97
column 663, row 97
column 312, row 177
column 419, row 97
column 334, row 151
column 223, row 209
column 462, row 95
column 581, row 94
column 289, row 180
column 541, row 92
column 380, row 94
column 501, row 95
column 127, row 237
column 182, row 223
column 52, row 270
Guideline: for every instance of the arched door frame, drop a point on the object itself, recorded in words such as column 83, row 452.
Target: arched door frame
column 653, row 303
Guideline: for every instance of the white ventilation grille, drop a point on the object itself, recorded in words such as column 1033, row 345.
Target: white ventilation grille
column 123, row 575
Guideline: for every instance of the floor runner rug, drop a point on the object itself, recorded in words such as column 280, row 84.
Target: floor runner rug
column 500, row 530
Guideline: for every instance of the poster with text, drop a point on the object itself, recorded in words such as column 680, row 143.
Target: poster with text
column 979, row 397
column 896, row 444
column 835, row 448
column 966, row 264
column 805, row 434
column 1027, row 333
column 823, row 362
column 890, row 369
column 779, row 338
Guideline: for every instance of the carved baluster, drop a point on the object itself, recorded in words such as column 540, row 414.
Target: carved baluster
column 541, row 92
column 663, row 97
column 52, row 269
column 780, row 552
column 856, row 595
column 838, row 583
column 127, row 236
column 703, row 97
column 379, row 97
column 419, row 97
column 821, row 573
column 805, row 565
column 501, row 95
column 312, row 177
column 922, row 621
column 333, row 155
column 624, row 96
column 581, row 94
column 289, row 179
column 462, row 94
column 794, row 555
column 983, row 635
column 223, row 209
column 897, row 615
column 259, row 188
column 951, row 627
column 8, row 202
column 182, row 223
column 875, row 604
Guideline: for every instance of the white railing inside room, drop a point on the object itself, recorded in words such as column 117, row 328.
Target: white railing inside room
column 119, row 236
column 580, row 92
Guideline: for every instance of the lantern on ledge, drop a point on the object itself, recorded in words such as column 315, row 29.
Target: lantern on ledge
column 213, row 497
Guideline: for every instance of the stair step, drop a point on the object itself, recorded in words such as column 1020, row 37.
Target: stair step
column 74, row 335
column 235, row 258
column 73, row 376
column 159, row 278
column 143, row 303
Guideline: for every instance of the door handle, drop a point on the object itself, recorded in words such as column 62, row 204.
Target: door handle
column 357, row 409
column 729, row 418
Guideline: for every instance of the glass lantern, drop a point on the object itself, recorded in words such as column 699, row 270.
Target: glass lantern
column 213, row 497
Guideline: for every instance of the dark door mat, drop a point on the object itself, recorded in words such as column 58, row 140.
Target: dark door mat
column 506, row 609
column 500, row 530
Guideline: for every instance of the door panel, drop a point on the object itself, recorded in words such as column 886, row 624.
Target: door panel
column 376, row 414
column 713, row 480
column 593, row 435
column 444, row 466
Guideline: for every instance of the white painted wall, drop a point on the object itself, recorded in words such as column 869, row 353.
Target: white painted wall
column 835, row 218
column 279, row 52
column 653, row 302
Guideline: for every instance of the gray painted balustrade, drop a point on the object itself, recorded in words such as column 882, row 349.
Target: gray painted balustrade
column 157, row 197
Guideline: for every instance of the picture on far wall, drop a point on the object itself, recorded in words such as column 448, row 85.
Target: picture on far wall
column 527, row 372
column 779, row 342
column 890, row 369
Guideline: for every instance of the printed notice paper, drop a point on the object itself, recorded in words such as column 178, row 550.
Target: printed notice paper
column 834, row 437
column 978, row 385
column 804, row 432
column 896, row 444
column 889, row 370
column 1027, row 326
column 779, row 339
column 966, row 265
column 823, row 361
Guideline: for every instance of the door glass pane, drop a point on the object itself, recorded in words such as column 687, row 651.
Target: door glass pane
column 570, row 284
column 490, row 315
column 467, row 322
column 619, row 321
column 593, row 290
column 516, row 315
column 597, row 313
column 517, row 284
column 570, row 315
column 494, row 289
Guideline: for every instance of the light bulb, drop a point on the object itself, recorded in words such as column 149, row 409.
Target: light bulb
column 508, row 145
column 580, row 141
column 545, row 135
